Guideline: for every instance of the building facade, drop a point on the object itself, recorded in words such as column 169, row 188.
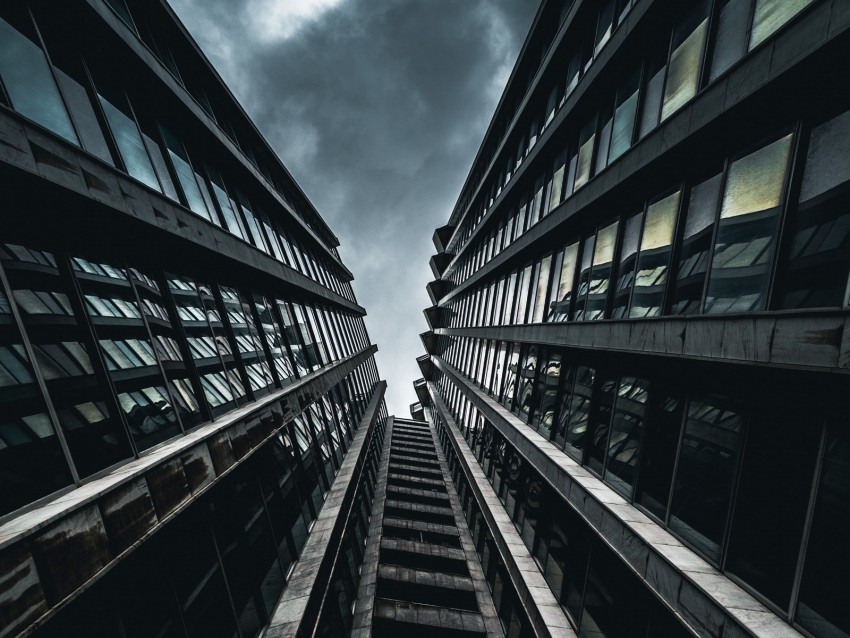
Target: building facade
column 638, row 349
column 185, row 377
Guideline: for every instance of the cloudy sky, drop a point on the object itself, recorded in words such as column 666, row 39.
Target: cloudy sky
column 377, row 107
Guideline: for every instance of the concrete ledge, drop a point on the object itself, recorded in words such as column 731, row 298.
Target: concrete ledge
column 299, row 609
column 801, row 340
column 710, row 603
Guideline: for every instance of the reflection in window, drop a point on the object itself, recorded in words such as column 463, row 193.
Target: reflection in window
column 27, row 78
column 600, row 422
column 585, row 154
column 576, row 430
column 708, row 458
column 95, row 438
column 562, row 284
column 654, row 260
column 651, row 108
column 626, row 269
column 540, row 296
column 696, row 247
column 743, row 250
column 823, row 606
column 658, row 451
column 189, row 180
column 730, row 42
column 624, row 117
column 684, row 68
column 626, row 431
column 770, row 15
column 584, row 278
column 130, row 145
column 815, row 274
column 600, row 274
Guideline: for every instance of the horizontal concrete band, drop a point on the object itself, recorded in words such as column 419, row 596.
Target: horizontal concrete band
column 813, row 340
column 540, row 605
column 85, row 181
column 299, row 609
column 820, row 24
column 144, row 54
column 703, row 597
column 95, row 526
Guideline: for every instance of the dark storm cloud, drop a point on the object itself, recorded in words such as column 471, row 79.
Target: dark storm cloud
column 377, row 107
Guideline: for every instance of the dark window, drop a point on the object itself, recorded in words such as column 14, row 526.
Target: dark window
column 708, row 458
column 654, row 259
column 626, row 431
column 818, row 254
column 823, row 605
column 746, row 234
column 730, row 43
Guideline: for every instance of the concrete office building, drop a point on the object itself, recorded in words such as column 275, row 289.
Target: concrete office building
column 639, row 345
column 191, row 412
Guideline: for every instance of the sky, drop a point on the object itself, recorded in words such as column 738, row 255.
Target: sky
column 377, row 108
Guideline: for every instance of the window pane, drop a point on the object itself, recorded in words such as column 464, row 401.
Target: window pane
column 683, row 72
column 603, row 259
column 584, row 277
column 624, row 118
column 730, row 43
column 546, row 392
column 770, row 15
column 185, row 174
column 696, row 246
column 708, row 458
column 626, row 431
column 130, row 145
column 823, row 606
column 81, row 109
column 576, row 431
column 652, row 101
column 560, row 308
column 658, row 453
column 815, row 274
column 585, row 154
column 542, row 288
column 626, row 270
column 773, row 494
column 600, row 422
column 30, row 84
column 743, row 252
column 654, row 259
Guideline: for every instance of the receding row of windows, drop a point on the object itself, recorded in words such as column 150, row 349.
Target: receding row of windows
column 70, row 98
column 749, row 474
column 99, row 362
column 652, row 92
column 174, row 52
column 745, row 239
column 601, row 596
column 606, row 18
column 220, row 567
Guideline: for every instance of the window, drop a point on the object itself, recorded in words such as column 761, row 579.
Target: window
column 27, row 77
column 189, row 180
column 626, row 432
column 770, row 15
column 683, row 71
column 749, row 213
column 624, row 117
column 562, row 284
column 626, row 269
column 128, row 139
column 695, row 248
column 818, row 257
column 580, row 398
column 654, row 259
column 823, row 605
column 708, row 458
column 540, row 295
column 603, row 259
column 585, row 153
column 730, row 43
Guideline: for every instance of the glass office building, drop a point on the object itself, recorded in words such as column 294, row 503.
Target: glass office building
column 638, row 345
column 185, row 376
